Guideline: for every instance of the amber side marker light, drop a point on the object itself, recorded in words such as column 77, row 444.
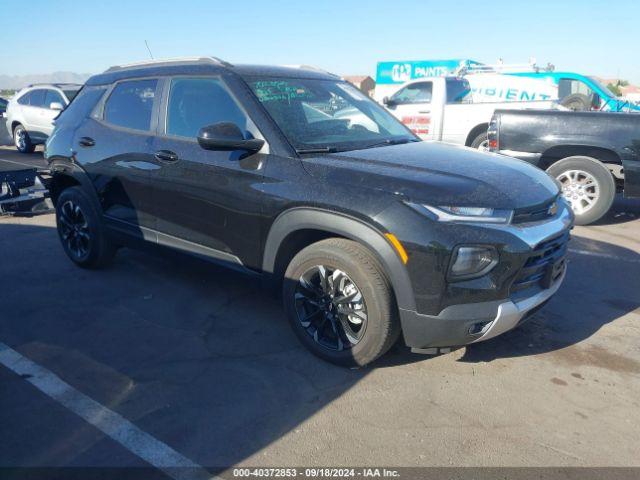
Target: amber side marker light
column 398, row 246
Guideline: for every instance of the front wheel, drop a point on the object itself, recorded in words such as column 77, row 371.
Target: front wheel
column 80, row 230
column 22, row 141
column 340, row 303
column 587, row 185
column 481, row 142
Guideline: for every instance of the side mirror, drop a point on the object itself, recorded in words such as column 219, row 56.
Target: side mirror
column 227, row 136
column 56, row 106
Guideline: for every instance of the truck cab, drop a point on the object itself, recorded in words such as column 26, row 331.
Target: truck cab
column 444, row 109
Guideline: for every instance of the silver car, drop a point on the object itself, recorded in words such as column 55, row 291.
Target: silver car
column 31, row 112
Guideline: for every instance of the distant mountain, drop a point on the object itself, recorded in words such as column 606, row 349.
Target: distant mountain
column 15, row 82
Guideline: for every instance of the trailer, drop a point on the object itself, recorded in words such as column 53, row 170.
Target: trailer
column 23, row 191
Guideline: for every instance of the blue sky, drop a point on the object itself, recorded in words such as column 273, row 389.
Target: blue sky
column 346, row 36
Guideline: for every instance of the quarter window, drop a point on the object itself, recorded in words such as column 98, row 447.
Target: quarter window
column 130, row 104
column 24, row 99
column 198, row 102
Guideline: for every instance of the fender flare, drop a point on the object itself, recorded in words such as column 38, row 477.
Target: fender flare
column 302, row 218
column 63, row 167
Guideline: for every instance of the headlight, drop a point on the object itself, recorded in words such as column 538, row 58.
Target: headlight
column 470, row 262
column 464, row 214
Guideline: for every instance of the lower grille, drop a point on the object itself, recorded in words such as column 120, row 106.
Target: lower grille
column 545, row 266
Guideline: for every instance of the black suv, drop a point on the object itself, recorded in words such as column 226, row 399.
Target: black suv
column 295, row 175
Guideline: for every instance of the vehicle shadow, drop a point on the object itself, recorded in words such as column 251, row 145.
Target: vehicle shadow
column 601, row 285
column 623, row 210
column 199, row 356
column 203, row 358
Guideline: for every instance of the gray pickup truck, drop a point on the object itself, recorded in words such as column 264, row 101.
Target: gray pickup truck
column 592, row 154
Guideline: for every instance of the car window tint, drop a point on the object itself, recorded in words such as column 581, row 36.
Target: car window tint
column 130, row 104
column 415, row 93
column 197, row 102
column 37, row 98
column 24, row 99
column 82, row 105
column 51, row 97
column 71, row 94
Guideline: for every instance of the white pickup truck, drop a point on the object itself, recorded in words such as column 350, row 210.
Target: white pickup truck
column 443, row 108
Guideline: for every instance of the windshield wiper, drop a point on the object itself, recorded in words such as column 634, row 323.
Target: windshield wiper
column 316, row 150
column 391, row 141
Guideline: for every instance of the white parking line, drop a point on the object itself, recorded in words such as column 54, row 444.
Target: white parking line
column 21, row 164
column 603, row 255
column 138, row 442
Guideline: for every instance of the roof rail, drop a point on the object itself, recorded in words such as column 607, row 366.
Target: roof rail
column 313, row 69
column 55, row 84
column 169, row 61
column 504, row 68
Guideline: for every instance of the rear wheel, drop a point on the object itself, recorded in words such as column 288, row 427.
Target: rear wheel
column 587, row 185
column 22, row 141
column 340, row 303
column 80, row 230
column 577, row 102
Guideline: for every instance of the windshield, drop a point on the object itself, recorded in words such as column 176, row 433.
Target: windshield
column 602, row 87
column 327, row 114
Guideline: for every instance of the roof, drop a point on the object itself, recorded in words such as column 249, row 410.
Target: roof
column 203, row 66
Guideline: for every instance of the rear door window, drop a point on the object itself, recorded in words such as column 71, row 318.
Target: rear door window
column 130, row 104
column 37, row 98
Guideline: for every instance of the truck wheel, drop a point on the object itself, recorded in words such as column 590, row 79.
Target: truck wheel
column 587, row 185
column 80, row 230
column 577, row 102
column 22, row 141
column 340, row 303
column 481, row 142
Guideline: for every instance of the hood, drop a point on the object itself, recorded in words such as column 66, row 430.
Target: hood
column 439, row 174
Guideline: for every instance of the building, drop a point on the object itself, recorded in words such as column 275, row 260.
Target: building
column 631, row 93
column 364, row 83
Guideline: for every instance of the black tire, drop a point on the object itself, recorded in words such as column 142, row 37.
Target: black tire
column 577, row 102
column 89, row 247
column 479, row 141
column 22, row 140
column 606, row 187
column 381, row 328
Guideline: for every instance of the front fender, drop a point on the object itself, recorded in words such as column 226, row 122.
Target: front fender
column 302, row 218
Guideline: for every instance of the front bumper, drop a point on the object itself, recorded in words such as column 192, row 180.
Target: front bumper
column 464, row 323
column 459, row 325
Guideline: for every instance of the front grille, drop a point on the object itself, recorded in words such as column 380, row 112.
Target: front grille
column 534, row 214
column 545, row 265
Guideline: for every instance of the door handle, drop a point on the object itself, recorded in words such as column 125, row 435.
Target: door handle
column 86, row 142
column 425, row 111
column 166, row 156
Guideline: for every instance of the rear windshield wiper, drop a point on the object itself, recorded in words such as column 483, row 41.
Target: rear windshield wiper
column 316, row 150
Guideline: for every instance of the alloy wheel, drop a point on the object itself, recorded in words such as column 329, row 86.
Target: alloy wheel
column 21, row 138
column 74, row 229
column 580, row 189
column 330, row 307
